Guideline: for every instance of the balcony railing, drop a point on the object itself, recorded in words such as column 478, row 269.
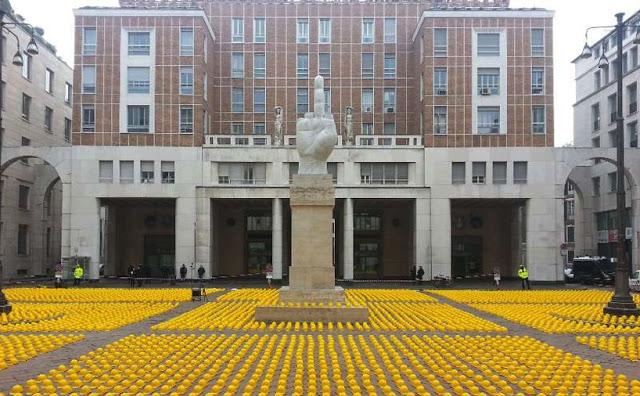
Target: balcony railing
column 388, row 140
column 290, row 140
column 236, row 140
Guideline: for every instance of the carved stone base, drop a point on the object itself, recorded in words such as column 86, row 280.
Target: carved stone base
column 334, row 295
column 312, row 314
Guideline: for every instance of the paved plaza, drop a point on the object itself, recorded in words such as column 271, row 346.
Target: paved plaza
column 460, row 342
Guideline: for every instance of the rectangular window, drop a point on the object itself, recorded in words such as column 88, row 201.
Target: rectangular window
column 48, row 81
column 324, row 64
column 538, row 119
column 612, row 100
column 613, row 181
column 88, row 118
column 68, row 93
column 243, row 173
column 302, row 66
column 595, row 142
column 302, row 31
column 384, row 173
column 138, row 118
column 440, row 120
column 23, row 197
column 368, row 31
column 367, row 128
column 259, row 65
column 147, row 172
column 488, row 120
column 324, row 31
column 259, row 128
column 259, row 30
column 367, row 65
column 389, row 65
column 186, row 119
column 67, row 130
column 633, row 55
column 327, row 100
column 478, row 172
column 458, row 173
column 440, row 42
column 390, row 30
column 596, row 185
column 168, row 172
column 537, row 42
column 489, row 81
column 139, row 43
column 186, row 41
column 23, row 239
column 237, row 128
column 105, row 171
column 26, row 66
column 389, row 100
column 138, row 80
column 625, row 63
column 632, row 129
column 259, row 100
column 605, row 74
column 89, row 41
column 520, row 172
column 237, row 100
column 237, row 65
column 537, row 81
column 499, row 173
column 632, row 94
column 367, row 100
column 440, row 81
column 595, row 116
column 389, row 128
column 237, row 30
column 88, row 79
column 48, row 118
column 26, row 106
column 597, row 80
column 302, row 100
column 126, row 172
column 488, row 44
column 25, row 142
column 186, row 80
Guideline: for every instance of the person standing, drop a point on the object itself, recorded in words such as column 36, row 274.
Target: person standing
column 139, row 275
column 420, row 274
column 132, row 276
column 269, row 273
column 183, row 272
column 78, row 273
column 496, row 277
column 523, row 274
column 201, row 271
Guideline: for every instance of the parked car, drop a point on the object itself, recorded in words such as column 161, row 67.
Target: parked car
column 634, row 281
column 593, row 269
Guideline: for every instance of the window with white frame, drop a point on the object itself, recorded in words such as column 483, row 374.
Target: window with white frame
column 259, row 65
column 48, row 118
column 368, row 31
column 186, row 119
column 389, row 65
column 367, row 100
column 237, row 100
column 488, row 44
column 138, row 80
column 440, row 120
column 302, row 65
column 26, row 106
column 595, row 116
column 67, row 130
column 302, row 31
column 488, row 81
column 168, row 172
column 105, row 171
column 237, row 65
column 478, row 172
column 384, row 173
column 186, row 41
column 488, row 119
column 537, row 81
column 367, row 128
column 237, row 30
column 324, row 64
column 68, row 93
column 88, row 79
column 242, row 173
column 138, row 118
column 237, row 128
column 259, row 128
column 88, row 118
column 186, row 80
column 26, row 65
column 139, row 43
column 389, row 98
column 259, row 30
column 302, row 100
column 499, row 172
column 367, row 65
column 324, row 31
column 633, row 55
column 538, row 119
column 126, row 172
column 327, row 100
column 147, row 174
column 440, row 81
column 440, row 42
column 520, row 172
column 390, row 30
column 458, row 172
column 89, row 41
column 537, row 42
column 259, row 100
column 48, row 80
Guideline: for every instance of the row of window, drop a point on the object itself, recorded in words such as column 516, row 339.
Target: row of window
column 631, row 131
column 147, row 172
column 138, row 42
column 139, row 119
column 302, row 30
column 612, row 104
column 48, row 116
column 487, row 44
column 479, row 172
column 612, row 179
column 488, row 119
column 603, row 76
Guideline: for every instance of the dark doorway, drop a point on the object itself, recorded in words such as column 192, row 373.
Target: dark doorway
column 159, row 255
column 466, row 256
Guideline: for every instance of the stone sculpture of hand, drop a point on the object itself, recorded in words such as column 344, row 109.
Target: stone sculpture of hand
column 315, row 135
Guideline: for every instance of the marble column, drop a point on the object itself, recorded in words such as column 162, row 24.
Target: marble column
column 441, row 236
column 203, row 236
column 84, row 232
column 276, row 238
column 347, row 243
column 421, row 235
column 185, row 234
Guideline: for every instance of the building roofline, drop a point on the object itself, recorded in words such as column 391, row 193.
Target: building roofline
column 158, row 12
column 482, row 13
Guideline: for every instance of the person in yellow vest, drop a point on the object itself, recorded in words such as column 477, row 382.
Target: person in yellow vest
column 523, row 274
column 78, row 272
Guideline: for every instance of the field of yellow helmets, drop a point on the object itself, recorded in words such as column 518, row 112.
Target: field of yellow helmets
column 529, row 296
column 18, row 348
column 623, row 346
column 84, row 295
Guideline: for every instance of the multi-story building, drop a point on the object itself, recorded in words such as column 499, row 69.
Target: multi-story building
column 36, row 112
column 444, row 160
column 595, row 113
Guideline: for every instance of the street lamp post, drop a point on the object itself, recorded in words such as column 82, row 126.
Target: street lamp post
column 32, row 49
column 621, row 303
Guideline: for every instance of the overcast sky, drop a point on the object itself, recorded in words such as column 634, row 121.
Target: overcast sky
column 571, row 20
